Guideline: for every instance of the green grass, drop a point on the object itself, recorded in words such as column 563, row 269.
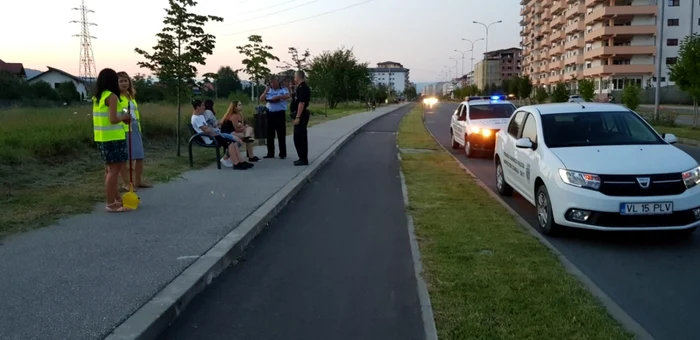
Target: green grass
column 680, row 131
column 487, row 277
column 50, row 168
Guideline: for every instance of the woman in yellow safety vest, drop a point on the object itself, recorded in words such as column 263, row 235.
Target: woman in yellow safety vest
column 109, row 134
column 127, row 100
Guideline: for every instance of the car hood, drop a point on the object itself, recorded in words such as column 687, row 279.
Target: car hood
column 625, row 159
column 495, row 123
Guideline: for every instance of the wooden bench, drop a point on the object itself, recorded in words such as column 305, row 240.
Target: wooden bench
column 197, row 139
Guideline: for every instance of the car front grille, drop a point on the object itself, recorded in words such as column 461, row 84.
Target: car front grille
column 629, row 185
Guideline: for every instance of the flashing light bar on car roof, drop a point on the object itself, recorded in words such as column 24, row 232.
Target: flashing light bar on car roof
column 491, row 98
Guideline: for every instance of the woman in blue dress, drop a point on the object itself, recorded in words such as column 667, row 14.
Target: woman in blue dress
column 126, row 86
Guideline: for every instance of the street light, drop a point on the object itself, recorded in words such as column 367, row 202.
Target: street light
column 463, row 52
column 471, row 48
column 487, row 31
column 456, row 67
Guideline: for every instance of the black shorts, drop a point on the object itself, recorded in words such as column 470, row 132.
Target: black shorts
column 114, row 151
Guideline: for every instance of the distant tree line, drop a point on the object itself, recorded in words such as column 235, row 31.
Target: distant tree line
column 16, row 90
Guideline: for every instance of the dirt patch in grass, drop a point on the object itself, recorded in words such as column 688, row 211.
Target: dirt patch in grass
column 487, row 277
column 50, row 167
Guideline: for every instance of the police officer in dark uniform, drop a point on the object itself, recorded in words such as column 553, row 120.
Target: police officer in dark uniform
column 301, row 115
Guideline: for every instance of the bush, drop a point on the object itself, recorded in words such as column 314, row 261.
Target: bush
column 630, row 96
column 560, row 94
column 586, row 89
column 541, row 95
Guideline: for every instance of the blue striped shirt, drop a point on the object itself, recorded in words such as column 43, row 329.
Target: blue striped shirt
column 280, row 105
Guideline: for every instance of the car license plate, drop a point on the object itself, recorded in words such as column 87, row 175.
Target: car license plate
column 659, row 208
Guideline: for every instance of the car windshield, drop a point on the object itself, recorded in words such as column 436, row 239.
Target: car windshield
column 596, row 128
column 490, row 111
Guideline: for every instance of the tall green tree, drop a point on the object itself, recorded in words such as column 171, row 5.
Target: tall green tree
column 257, row 56
column 338, row 75
column 586, row 89
column 560, row 93
column 300, row 60
column 226, row 81
column 686, row 71
column 541, row 95
column 182, row 44
column 524, row 87
column 410, row 93
column 630, row 95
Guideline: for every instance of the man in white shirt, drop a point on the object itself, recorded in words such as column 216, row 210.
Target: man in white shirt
column 199, row 123
column 276, row 97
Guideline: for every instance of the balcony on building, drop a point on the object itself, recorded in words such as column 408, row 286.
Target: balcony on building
column 575, row 10
column 555, row 78
column 574, row 59
column 614, row 70
column 579, row 26
column 574, row 44
column 625, row 30
column 557, row 36
column 620, row 48
column 623, row 10
column 558, row 6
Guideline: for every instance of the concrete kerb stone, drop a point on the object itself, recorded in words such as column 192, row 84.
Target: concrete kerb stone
column 612, row 307
column 688, row 141
column 426, row 307
column 154, row 317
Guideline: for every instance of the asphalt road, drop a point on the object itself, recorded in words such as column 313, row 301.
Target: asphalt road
column 335, row 264
column 654, row 277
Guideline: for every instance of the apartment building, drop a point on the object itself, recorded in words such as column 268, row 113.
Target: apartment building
column 497, row 66
column 391, row 74
column 681, row 18
column 609, row 41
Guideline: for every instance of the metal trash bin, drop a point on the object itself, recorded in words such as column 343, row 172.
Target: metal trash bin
column 260, row 124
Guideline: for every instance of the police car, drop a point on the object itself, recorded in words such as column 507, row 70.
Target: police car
column 476, row 121
column 597, row 166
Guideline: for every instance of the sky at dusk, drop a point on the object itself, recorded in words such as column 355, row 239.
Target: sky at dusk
column 421, row 35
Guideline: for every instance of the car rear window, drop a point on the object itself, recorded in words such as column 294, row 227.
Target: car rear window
column 490, row 111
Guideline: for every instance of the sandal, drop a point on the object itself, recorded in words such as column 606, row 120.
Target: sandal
column 116, row 208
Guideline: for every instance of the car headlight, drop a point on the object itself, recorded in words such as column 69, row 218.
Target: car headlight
column 580, row 179
column 476, row 129
column 691, row 177
column 486, row 132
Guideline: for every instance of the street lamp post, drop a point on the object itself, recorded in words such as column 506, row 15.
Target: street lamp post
column 462, row 52
column 487, row 32
column 471, row 49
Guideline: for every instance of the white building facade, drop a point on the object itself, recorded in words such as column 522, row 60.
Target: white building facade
column 681, row 18
column 55, row 77
column 392, row 75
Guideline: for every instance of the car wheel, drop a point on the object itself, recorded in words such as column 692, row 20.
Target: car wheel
column 545, row 218
column 455, row 145
column 504, row 189
column 468, row 151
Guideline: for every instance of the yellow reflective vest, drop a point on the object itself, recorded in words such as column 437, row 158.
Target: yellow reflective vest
column 123, row 105
column 103, row 129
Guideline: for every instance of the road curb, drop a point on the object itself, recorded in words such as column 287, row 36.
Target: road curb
column 612, row 307
column 154, row 317
column 688, row 141
column 423, row 295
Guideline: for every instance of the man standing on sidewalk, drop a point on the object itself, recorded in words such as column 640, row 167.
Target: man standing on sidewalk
column 302, row 97
column 276, row 97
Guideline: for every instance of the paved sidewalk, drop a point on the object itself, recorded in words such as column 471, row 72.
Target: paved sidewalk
column 335, row 264
column 81, row 278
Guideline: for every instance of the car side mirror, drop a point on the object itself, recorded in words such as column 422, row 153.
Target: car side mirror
column 524, row 143
column 670, row 138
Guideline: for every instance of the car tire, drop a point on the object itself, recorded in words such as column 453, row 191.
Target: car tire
column 455, row 145
column 545, row 218
column 504, row 189
column 468, row 151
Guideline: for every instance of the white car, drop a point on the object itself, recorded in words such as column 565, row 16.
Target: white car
column 576, row 99
column 597, row 166
column 476, row 121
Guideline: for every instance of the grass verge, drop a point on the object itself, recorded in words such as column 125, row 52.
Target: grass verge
column 680, row 131
column 487, row 277
column 50, row 168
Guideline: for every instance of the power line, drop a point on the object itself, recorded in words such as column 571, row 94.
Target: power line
column 298, row 20
column 268, row 14
column 262, row 9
